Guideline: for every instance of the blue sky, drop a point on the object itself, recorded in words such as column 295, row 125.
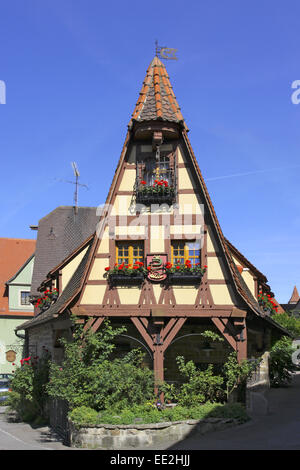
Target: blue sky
column 73, row 71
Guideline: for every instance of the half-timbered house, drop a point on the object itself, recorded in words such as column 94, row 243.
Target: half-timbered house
column 158, row 261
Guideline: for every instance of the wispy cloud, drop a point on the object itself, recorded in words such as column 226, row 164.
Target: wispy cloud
column 249, row 173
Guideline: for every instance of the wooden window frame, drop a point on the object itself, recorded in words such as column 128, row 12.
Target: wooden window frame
column 26, row 297
column 186, row 249
column 130, row 257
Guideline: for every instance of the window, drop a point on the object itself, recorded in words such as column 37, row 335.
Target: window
column 181, row 251
column 129, row 252
column 25, row 298
column 156, row 170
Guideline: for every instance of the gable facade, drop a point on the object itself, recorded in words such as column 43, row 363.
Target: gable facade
column 159, row 217
column 16, row 271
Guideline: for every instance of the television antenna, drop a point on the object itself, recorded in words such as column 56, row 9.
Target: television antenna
column 76, row 183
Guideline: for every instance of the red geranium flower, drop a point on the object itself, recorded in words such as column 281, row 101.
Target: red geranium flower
column 107, row 269
column 143, row 182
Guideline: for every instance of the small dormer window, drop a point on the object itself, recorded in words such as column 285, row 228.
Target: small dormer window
column 155, row 182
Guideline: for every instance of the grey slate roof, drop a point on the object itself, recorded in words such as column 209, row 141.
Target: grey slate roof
column 59, row 234
column 68, row 292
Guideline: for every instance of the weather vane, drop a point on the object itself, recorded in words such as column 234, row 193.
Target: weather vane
column 165, row 52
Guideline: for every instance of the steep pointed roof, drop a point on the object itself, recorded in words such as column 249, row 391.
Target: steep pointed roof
column 157, row 100
column 295, row 296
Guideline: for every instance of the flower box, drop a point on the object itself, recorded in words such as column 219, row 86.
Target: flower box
column 146, row 196
column 123, row 275
column 178, row 278
column 49, row 297
column 185, row 273
column 267, row 303
column 123, row 279
column 158, row 193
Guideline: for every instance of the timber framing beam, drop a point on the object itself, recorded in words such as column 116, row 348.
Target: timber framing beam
column 235, row 332
column 158, row 336
column 167, row 311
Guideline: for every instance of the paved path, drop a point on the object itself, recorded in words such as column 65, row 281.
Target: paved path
column 22, row 436
column 279, row 430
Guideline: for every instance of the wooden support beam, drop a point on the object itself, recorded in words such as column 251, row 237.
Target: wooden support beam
column 177, row 326
column 97, row 324
column 142, row 330
column 168, row 327
column 89, row 323
column 222, row 328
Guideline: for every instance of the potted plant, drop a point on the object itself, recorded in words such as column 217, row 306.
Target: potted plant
column 47, row 299
column 126, row 274
column 185, row 273
column 159, row 192
column 266, row 303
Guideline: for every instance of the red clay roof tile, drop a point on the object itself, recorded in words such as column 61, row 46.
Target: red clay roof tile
column 14, row 252
column 157, row 99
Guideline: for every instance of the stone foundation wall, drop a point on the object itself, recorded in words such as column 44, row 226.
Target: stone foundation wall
column 116, row 437
column 39, row 337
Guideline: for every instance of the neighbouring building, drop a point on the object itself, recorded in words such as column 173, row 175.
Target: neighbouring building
column 293, row 305
column 17, row 256
column 158, row 261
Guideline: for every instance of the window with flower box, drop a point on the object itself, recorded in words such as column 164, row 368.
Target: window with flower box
column 129, row 266
column 185, row 265
column 182, row 251
column 155, row 182
column 129, row 252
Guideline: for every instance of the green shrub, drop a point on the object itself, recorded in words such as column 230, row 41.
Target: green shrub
column 281, row 366
column 147, row 414
column 236, row 373
column 89, row 377
column 28, row 396
column 201, row 386
column 289, row 322
column 83, row 415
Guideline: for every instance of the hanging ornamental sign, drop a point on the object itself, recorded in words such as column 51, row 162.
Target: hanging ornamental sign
column 11, row 355
column 156, row 267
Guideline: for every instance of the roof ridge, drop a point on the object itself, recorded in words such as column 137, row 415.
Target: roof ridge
column 20, row 239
